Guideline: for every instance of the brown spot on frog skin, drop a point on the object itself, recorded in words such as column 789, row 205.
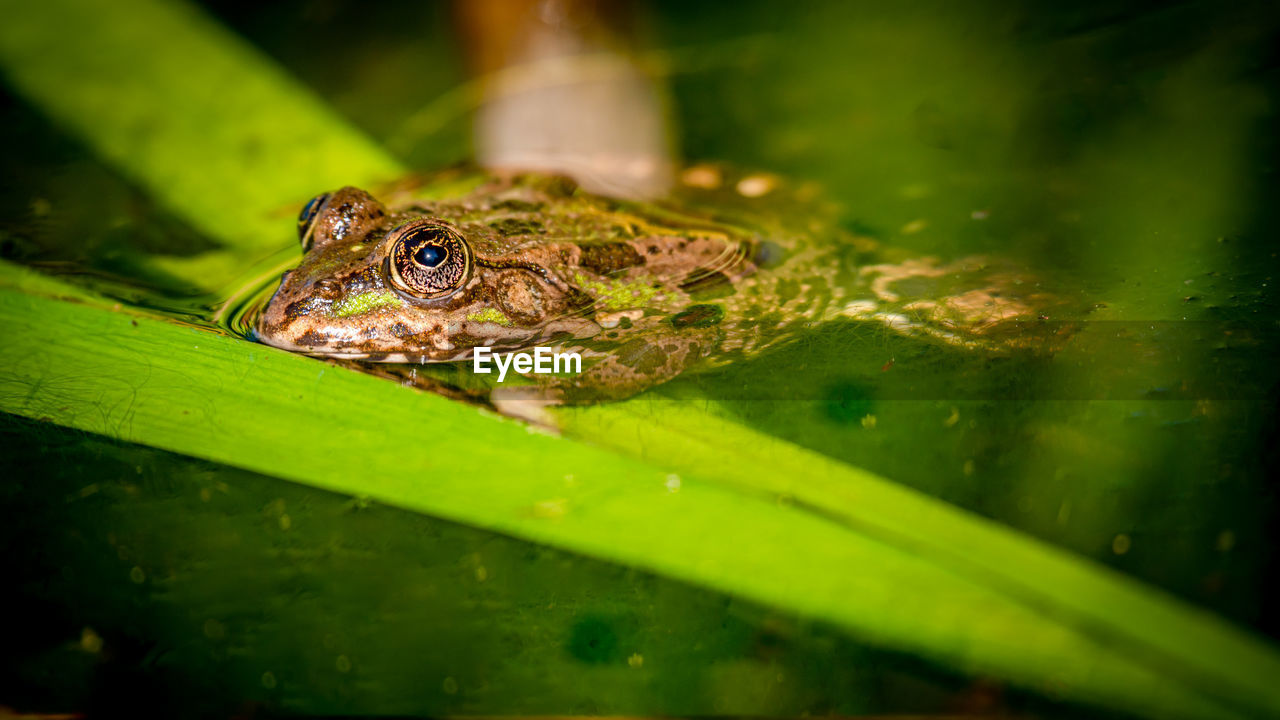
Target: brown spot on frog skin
column 305, row 306
column 608, row 258
column 698, row 316
column 311, row 338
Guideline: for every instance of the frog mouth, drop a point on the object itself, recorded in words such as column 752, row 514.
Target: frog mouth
column 395, row 357
column 389, row 356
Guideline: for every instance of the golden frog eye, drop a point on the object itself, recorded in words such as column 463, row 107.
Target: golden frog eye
column 307, row 219
column 428, row 259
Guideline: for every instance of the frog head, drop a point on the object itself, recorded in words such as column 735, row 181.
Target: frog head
column 413, row 287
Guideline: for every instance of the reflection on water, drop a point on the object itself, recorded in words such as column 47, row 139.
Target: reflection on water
column 244, row 303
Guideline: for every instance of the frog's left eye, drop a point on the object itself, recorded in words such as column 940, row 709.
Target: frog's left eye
column 307, row 219
column 428, row 259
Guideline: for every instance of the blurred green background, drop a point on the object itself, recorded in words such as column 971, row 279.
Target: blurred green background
column 1127, row 152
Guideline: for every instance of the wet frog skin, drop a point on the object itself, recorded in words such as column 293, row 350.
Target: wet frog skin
column 642, row 291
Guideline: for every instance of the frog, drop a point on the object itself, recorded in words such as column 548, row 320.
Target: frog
column 641, row 291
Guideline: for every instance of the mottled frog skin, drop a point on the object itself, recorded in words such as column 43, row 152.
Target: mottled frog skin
column 642, row 291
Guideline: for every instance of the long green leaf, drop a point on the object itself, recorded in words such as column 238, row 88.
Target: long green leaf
column 147, row 380
column 1184, row 643
column 207, row 124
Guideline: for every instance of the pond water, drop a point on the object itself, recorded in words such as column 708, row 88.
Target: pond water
column 1127, row 154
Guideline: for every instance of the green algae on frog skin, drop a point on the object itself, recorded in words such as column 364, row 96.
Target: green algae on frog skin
column 361, row 303
column 490, row 315
column 522, row 261
column 618, row 294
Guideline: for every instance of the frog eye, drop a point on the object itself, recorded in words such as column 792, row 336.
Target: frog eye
column 307, row 219
column 428, row 260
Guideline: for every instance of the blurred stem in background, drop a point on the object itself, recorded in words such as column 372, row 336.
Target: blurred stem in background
column 562, row 92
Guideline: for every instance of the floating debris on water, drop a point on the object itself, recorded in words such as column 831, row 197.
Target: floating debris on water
column 1121, row 544
column 754, row 186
